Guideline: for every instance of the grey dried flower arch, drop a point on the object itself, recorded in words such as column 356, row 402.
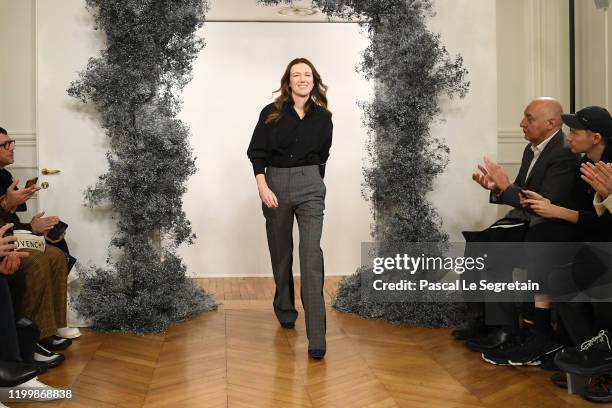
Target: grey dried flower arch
column 134, row 84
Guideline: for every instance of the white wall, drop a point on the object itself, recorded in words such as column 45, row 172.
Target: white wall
column 469, row 125
column 230, row 86
column 594, row 61
column 17, row 88
column 222, row 199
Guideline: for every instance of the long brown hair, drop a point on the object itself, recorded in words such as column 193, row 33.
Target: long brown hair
column 317, row 95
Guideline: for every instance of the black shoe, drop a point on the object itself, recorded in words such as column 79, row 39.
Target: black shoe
column 13, row 374
column 474, row 330
column 492, row 340
column 316, row 354
column 599, row 389
column 559, row 379
column 501, row 355
column 55, row 343
column 590, row 359
column 536, row 348
column 287, row 325
column 42, row 355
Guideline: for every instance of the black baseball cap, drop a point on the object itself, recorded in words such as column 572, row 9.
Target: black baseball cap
column 593, row 118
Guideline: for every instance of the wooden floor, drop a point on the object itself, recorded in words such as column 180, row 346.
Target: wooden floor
column 238, row 356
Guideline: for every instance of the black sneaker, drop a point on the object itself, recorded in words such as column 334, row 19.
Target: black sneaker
column 493, row 340
column 501, row 354
column 599, row 389
column 590, row 359
column 536, row 347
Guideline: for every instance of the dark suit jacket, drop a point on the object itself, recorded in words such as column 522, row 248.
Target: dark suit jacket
column 552, row 176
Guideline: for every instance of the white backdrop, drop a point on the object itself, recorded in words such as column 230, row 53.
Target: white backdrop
column 233, row 79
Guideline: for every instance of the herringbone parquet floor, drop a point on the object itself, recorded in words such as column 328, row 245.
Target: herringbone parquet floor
column 239, row 357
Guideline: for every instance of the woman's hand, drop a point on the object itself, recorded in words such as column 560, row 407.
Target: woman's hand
column 599, row 177
column 543, row 207
column 267, row 196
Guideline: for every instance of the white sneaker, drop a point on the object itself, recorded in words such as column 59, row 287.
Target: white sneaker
column 69, row 332
column 34, row 383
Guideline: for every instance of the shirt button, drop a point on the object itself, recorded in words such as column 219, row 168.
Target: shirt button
column 291, row 156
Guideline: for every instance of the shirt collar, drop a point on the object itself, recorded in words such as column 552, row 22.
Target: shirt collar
column 288, row 105
column 539, row 148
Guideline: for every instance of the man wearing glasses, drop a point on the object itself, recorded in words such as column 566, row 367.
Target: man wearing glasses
column 44, row 300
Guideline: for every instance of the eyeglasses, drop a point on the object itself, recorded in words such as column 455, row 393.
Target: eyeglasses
column 8, row 145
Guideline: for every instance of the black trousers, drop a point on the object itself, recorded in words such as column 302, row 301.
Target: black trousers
column 589, row 275
column 9, row 342
column 538, row 260
column 18, row 335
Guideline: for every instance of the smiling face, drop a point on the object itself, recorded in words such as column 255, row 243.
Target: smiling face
column 6, row 154
column 301, row 80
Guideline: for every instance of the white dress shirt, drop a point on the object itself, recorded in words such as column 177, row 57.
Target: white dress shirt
column 537, row 151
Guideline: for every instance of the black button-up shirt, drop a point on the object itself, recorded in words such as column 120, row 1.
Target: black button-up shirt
column 291, row 142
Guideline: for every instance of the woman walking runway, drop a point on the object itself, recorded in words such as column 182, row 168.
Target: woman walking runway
column 289, row 148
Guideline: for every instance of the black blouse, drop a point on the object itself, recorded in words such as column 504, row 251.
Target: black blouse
column 291, row 142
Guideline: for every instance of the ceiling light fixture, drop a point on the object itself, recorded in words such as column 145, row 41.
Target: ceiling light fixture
column 296, row 11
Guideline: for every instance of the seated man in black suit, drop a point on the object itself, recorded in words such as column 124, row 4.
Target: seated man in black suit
column 547, row 167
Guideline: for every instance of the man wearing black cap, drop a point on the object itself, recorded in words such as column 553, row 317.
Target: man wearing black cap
column 591, row 135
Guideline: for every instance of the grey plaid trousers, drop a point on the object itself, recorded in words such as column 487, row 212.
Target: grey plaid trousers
column 301, row 194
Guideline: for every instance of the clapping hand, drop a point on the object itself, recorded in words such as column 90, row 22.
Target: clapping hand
column 599, row 176
column 497, row 174
column 492, row 176
column 484, row 180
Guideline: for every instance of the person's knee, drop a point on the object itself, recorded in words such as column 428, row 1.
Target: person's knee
column 57, row 260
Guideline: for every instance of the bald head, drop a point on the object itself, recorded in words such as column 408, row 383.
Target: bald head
column 549, row 108
column 542, row 118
